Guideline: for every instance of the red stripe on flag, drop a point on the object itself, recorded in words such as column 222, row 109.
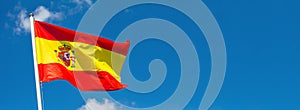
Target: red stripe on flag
column 83, row 80
column 53, row 32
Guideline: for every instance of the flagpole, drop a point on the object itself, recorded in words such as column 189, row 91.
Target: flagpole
column 36, row 72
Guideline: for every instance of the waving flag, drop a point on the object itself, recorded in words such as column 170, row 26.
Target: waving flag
column 88, row 62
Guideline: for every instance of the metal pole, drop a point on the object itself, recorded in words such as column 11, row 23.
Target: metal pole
column 36, row 71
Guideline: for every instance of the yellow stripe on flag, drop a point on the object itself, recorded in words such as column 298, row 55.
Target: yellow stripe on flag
column 86, row 57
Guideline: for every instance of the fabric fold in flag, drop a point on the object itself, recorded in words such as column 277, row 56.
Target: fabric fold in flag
column 88, row 62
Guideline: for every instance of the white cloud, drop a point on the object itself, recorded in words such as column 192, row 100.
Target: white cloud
column 81, row 2
column 80, row 5
column 19, row 16
column 41, row 13
column 22, row 22
column 93, row 104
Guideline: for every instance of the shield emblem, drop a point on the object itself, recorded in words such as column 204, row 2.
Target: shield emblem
column 65, row 56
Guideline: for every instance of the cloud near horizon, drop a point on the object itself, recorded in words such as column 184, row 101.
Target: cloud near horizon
column 93, row 104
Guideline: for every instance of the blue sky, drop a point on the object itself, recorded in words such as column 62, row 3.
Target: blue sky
column 262, row 45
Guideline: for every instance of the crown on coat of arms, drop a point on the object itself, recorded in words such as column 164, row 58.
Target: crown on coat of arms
column 64, row 48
